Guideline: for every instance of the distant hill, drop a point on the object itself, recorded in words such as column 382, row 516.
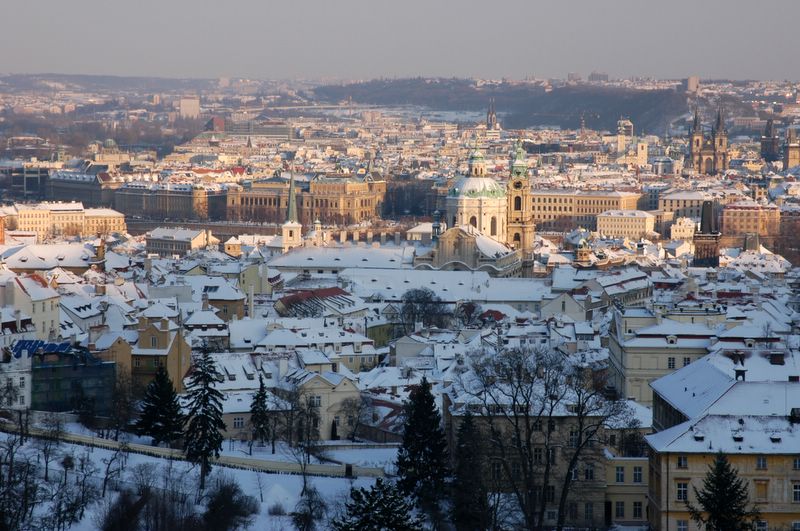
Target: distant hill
column 523, row 105
column 104, row 83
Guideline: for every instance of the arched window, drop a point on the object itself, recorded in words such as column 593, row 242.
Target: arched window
column 473, row 221
column 517, row 237
column 518, row 203
column 493, row 230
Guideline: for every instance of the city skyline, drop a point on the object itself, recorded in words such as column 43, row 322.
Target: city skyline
column 358, row 39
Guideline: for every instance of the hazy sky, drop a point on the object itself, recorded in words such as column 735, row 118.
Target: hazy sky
column 370, row 38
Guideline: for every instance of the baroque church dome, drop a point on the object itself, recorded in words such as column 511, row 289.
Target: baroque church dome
column 477, row 187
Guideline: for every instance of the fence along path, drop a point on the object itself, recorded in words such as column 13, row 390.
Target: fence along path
column 248, row 463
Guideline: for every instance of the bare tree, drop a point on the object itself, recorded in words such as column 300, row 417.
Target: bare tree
column 356, row 411
column 517, row 394
column 544, row 414
column 467, row 313
column 423, row 305
column 64, row 508
column 20, row 490
column 301, row 429
column 49, row 440
column 122, row 404
column 113, row 468
column 591, row 412
column 84, row 475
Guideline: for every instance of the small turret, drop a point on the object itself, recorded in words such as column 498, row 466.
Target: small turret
column 436, row 227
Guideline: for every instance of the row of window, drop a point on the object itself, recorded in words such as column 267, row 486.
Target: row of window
column 620, row 474
column 156, row 362
column 671, row 362
column 761, row 462
column 682, row 491
column 761, row 525
column 637, row 510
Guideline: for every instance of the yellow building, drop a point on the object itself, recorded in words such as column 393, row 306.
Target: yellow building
column 749, row 217
column 160, row 344
column 681, row 466
column 631, row 224
column 331, row 199
column 626, row 489
column 49, row 219
column 328, row 392
column 683, row 203
column 742, row 399
column 644, row 346
column 103, row 221
column 566, row 209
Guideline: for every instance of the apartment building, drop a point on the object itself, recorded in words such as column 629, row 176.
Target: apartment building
column 631, row 224
column 171, row 201
column 749, row 217
column 626, row 488
column 103, row 221
column 645, row 346
column 683, row 203
column 50, row 219
column 742, row 401
column 565, row 209
column 170, row 242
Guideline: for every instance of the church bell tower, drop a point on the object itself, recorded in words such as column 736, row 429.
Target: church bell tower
column 521, row 227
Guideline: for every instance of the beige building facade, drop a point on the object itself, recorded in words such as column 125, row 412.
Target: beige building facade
column 631, row 224
column 566, row 209
column 749, row 217
column 50, row 219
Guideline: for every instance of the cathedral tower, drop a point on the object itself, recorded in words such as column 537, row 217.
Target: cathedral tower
column 769, row 142
column 706, row 240
column 708, row 154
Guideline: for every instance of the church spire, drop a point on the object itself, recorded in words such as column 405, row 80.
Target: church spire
column 291, row 215
column 719, row 125
column 519, row 166
column 696, row 123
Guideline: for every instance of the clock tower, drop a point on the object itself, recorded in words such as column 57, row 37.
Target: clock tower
column 521, row 228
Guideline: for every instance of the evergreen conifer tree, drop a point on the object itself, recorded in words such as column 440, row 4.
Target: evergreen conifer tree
column 470, row 509
column 723, row 501
column 422, row 458
column 203, row 437
column 381, row 507
column 161, row 416
column 259, row 412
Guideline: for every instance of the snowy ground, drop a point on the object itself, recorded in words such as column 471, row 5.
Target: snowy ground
column 384, row 458
column 283, row 489
column 338, row 451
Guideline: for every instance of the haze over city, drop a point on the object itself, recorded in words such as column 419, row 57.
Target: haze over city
column 399, row 266
column 735, row 39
